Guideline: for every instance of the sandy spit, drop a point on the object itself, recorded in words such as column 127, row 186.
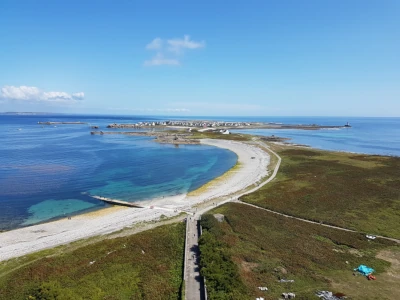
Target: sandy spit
column 253, row 163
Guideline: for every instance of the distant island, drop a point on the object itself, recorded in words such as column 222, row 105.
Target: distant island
column 217, row 125
column 28, row 113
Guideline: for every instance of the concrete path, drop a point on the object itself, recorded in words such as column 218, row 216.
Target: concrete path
column 194, row 283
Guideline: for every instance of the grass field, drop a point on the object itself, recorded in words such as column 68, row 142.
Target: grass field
column 254, row 248
column 147, row 265
column 355, row 191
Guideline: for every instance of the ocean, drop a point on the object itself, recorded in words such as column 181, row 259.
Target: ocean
column 48, row 171
column 379, row 136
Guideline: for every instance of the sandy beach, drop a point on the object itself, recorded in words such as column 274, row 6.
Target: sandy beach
column 252, row 167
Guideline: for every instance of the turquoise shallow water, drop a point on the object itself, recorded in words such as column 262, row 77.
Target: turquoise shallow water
column 48, row 209
column 48, row 172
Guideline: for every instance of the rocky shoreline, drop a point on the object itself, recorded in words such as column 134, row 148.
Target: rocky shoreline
column 274, row 138
column 60, row 123
column 160, row 137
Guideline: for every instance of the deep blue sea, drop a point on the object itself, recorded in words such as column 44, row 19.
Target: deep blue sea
column 47, row 172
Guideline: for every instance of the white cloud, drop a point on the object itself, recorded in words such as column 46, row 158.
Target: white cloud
column 159, row 60
column 170, row 51
column 78, row 96
column 179, row 45
column 20, row 93
column 52, row 96
column 155, row 44
column 31, row 93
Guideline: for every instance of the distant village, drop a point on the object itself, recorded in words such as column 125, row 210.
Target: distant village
column 198, row 124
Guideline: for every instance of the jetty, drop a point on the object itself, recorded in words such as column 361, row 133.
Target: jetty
column 64, row 123
column 117, row 202
column 134, row 133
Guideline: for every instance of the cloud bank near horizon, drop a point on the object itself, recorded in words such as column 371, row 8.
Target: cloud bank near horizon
column 34, row 94
column 169, row 51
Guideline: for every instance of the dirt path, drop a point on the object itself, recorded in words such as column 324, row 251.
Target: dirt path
column 297, row 218
column 313, row 222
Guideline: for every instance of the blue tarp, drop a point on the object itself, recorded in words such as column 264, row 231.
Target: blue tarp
column 364, row 270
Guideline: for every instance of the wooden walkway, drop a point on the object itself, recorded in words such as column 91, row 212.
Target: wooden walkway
column 117, row 202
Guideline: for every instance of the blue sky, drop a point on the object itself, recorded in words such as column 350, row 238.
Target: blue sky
column 250, row 58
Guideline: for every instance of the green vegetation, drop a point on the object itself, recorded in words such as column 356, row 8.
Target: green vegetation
column 254, row 248
column 148, row 265
column 360, row 192
column 221, row 273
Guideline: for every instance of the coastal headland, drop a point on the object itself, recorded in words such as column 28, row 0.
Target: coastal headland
column 204, row 125
column 216, row 125
column 160, row 137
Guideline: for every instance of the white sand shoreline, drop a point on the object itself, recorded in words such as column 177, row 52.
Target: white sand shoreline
column 252, row 167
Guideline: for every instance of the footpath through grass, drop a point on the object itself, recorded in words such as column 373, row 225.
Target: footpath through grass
column 147, row 265
column 361, row 192
column 252, row 248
